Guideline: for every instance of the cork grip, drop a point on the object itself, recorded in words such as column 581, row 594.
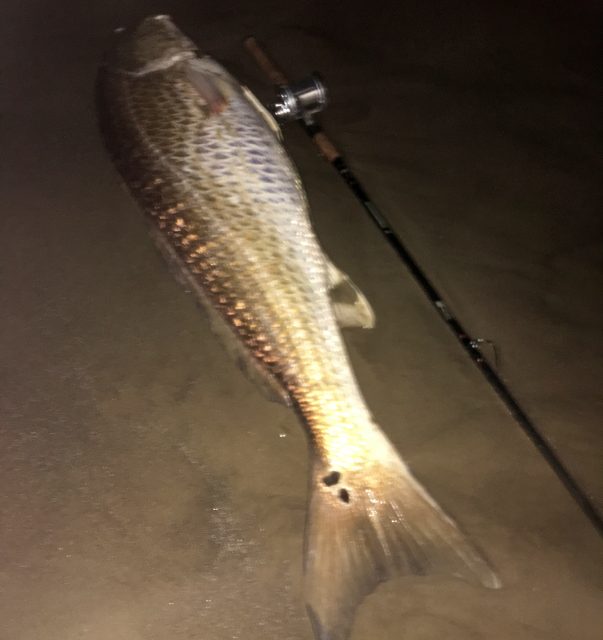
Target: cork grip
column 273, row 73
column 325, row 146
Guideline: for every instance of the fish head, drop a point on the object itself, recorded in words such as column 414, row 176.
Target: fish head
column 155, row 44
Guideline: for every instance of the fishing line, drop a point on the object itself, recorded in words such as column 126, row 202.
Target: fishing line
column 470, row 345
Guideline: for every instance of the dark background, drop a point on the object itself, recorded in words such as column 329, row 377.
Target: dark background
column 148, row 490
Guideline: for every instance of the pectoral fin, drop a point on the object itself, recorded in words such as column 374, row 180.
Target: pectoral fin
column 350, row 306
column 207, row 86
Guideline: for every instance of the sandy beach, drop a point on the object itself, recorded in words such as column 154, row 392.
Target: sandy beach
column 150, row 492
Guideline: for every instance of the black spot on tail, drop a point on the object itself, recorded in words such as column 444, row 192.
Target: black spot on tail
column 332, row 478
column 344, row 495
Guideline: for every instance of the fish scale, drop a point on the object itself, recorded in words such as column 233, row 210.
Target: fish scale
column 228, row 210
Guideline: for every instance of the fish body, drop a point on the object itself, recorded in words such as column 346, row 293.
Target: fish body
column 226, row 205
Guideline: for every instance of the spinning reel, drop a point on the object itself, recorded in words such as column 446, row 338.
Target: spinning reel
column 299, row 100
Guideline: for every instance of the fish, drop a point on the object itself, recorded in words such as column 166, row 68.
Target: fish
column 206, row 163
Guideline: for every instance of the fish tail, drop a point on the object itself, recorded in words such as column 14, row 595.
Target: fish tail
column 369, row 523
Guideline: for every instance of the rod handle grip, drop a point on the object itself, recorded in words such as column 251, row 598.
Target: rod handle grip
column 325, row 146
column 263, row 60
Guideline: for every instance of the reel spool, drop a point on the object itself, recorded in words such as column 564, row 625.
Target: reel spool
column 299, row 100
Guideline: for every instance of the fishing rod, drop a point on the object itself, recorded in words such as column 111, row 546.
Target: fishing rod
column 300, row 102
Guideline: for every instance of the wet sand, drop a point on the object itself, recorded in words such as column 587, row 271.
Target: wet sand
column 149, row 491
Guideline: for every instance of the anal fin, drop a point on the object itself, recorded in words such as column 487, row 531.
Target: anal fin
column 350, row 306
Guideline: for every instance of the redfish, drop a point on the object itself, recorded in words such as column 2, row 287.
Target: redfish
column 205, row 162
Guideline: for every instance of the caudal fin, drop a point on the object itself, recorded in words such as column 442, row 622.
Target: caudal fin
column 368, row 525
